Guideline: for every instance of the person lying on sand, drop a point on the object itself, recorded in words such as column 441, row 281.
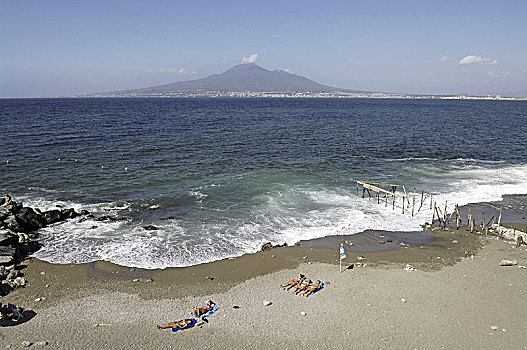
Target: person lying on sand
column 301, row 286
column 312, row 288
column 204, row 309
column 180, row 324
column 293, row 282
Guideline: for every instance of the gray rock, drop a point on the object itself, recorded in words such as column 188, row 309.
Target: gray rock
column 6, row 259
column 266, row 246
column 7, row 238
column 150, row 228
column 20, row 281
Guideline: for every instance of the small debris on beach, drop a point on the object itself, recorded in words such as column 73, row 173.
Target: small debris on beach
column 302, row 313
column 136, row 280
column 382, row 242
column 304, row 257
column 210, row 278
column 494, row 328
column 266, row 302
column 409, row 268
column 27, row 344
column 42, row 343
column 235, row 307
column 403, row 300
column 40, row 299
column 506, row 262
column 360, row 258
column 43, row 273
column 454, row 241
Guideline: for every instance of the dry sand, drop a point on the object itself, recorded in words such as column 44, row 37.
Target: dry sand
column 450, row 302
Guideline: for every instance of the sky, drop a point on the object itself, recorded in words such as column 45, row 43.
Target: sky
column 53, row 48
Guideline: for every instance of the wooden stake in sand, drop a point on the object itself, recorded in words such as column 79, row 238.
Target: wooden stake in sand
column 385, row 200
column 482, row 220
column 403, row 205
column 431, row 201
column 406, row 195
column 433, row 216
column 357, row 189
column 413, row 203
column 445, row 220
column 422, row 201
column 458, row 217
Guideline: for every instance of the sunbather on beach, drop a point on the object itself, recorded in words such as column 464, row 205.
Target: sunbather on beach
column 204, row 309
column 293, row 282
column 301, row 286
column 312, row 288
column 180, row 324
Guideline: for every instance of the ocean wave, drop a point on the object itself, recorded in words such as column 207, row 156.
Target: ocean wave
column 280, row 214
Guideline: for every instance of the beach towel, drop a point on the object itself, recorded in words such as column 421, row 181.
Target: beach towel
column 190, row 325
column 207, row 314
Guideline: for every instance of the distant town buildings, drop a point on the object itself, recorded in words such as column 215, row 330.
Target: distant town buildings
column 288, row 94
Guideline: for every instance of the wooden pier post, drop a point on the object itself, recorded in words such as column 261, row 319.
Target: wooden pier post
column 406, row 195
column 433, row 216
column 357, row 189
column 431, row 201
column 378, row 199
column 393, row 202
column 458, row 217
column 482, row 220
column 403, row 205
column 444, row 224
column 413, row 203
column 385, row 200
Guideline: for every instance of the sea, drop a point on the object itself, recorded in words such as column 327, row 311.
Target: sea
column 219, row 177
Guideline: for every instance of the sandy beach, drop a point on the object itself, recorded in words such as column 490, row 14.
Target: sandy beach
column 459, row 297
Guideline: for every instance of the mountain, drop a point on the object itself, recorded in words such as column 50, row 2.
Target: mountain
column 247, row 77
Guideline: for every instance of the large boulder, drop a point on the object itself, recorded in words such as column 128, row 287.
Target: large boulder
column 70, row 213
column 7, row 238
column 29, row 220
column 53, row 216
column 12, row 224
column 7, row 255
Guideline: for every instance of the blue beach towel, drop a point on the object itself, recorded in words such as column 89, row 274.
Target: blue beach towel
column 207, row 314
column 190, row 325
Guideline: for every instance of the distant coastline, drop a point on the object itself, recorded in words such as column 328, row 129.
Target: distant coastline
column 254, row 94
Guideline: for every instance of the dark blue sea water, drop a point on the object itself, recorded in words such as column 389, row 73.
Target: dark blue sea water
column 230, row 174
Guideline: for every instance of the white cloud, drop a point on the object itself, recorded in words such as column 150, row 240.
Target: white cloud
column 445, row 59
column 250, row 59
column 473, row 59
column 505, row 74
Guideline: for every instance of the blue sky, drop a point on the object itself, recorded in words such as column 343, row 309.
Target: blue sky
column 50, row 48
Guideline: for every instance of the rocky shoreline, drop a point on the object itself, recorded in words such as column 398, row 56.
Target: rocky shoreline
column 18, row 237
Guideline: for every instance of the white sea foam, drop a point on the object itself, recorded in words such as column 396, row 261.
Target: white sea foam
column 282, row 214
